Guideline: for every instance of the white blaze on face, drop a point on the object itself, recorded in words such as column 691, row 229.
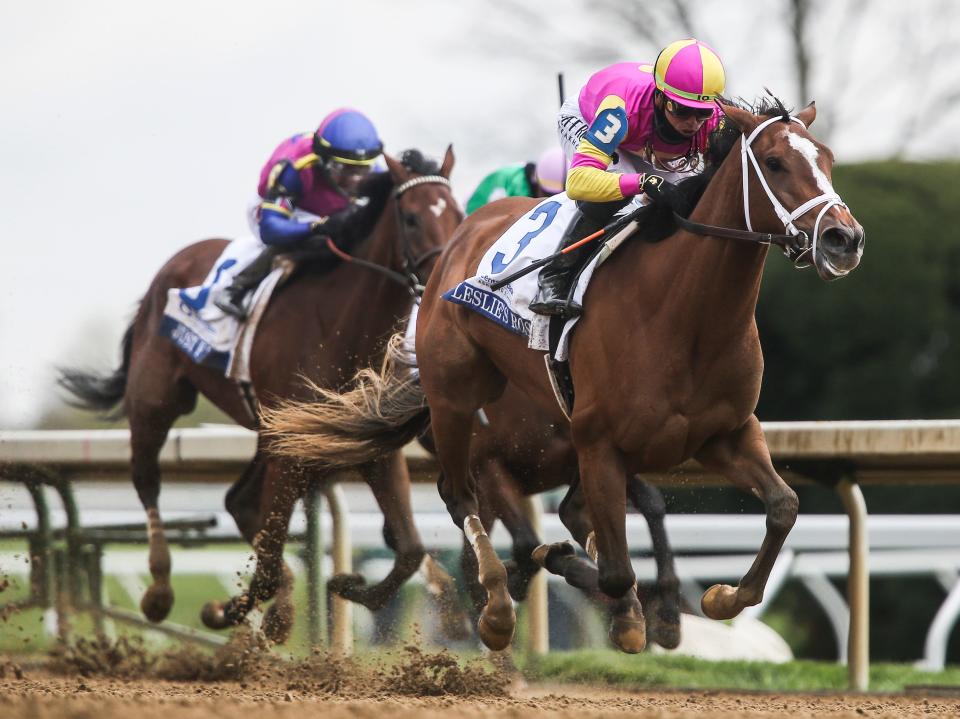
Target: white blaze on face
column 809, row 151
column 438, row 207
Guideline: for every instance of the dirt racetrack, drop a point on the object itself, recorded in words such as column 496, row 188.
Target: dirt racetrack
column 102, row 679
column 39, row 696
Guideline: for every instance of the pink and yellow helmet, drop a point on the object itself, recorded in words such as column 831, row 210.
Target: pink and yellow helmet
column 690, row 73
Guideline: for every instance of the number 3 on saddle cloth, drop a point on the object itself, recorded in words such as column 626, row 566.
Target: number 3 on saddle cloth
column 532, row 237
column 204, row 332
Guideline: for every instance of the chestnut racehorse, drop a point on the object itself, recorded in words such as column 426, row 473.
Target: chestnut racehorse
column 323, row 326
column 666, row 360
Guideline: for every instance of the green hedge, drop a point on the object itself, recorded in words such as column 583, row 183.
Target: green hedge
column 883, row 343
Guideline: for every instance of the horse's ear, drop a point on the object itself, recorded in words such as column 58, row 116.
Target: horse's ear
column 745, row 120
column 808, row 114
column 397, row 171
column 447, row 165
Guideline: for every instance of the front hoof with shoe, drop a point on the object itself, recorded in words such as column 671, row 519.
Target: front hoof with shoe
column 497, row 621
column 157, row 602
column 720, row 602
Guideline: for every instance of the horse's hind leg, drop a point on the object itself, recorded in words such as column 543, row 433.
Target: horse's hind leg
column 154, row 400
column 243, row 502
column 663, row 610
column 500, row 490
column 282, row 487
column 389, row 481
column 457, row 388
column 743, row 458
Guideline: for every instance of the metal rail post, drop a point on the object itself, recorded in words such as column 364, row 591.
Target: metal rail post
column 313, row 558
column 342, row 551
column 538, row 641
column 858, row 586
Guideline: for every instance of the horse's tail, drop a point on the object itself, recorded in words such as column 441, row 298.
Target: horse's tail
column 381, row 412
column 100, row 392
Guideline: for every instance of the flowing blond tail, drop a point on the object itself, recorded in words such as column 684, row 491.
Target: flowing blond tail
column 380, row 413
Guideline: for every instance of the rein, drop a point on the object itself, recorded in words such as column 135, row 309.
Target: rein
column 411, row 264
column 796, row 244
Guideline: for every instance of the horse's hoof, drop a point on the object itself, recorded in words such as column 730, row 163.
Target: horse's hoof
column 497, row 621
column 548, row 552
column 663, row 623
column 278, row 622
column 213, row 616
column 347, row 586
column 720, row 602
column 156, row 602
column 664, row 634
column 628, row 634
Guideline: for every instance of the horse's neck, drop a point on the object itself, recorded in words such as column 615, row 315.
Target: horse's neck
column 382, row 245
column 708, row 283
column 737, row 264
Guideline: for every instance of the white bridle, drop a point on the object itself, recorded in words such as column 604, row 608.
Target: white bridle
column 829, row 200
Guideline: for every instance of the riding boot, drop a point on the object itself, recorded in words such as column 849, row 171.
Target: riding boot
column 556, row 278
column 231, row 298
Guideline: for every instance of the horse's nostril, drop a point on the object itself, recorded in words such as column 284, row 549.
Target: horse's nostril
column 838, row 239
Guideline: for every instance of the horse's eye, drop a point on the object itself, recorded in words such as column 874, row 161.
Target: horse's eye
column 773, row 164
column 411, row 221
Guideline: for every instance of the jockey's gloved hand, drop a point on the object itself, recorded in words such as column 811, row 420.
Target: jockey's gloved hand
column 333, row 226
column 652, row 185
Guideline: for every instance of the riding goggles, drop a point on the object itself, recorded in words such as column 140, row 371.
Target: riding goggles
column 682, row 112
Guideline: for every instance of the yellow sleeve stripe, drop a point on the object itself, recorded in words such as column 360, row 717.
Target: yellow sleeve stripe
column 305, row 161
column 610, row 101
column 276, row 208
column 593, row 185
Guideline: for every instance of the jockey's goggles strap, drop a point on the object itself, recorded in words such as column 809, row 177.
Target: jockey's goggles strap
column 422, row 180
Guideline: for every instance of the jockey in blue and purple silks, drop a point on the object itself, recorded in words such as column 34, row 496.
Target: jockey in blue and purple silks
column 307, row 190
column 634, row 127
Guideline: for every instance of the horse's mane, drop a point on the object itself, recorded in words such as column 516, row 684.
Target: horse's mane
column 684, row 196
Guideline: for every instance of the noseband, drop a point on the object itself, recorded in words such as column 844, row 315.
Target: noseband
column 409, row 278
column 799, row 248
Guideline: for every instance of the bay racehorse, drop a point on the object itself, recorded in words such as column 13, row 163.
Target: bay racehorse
column 516, row 452
column 666, row 360
column 323, row 324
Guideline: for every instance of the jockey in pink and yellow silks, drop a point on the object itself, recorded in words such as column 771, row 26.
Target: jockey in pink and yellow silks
column 633, row 127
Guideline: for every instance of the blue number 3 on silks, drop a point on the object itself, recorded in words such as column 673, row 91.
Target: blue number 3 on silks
column 549, row 209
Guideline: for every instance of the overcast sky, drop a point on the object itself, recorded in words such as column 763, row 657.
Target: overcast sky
column 128, row 129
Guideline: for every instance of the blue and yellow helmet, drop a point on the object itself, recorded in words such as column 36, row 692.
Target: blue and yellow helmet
column 347, row 136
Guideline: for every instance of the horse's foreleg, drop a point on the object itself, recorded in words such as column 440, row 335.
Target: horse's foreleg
column 458, row 489
column 602, row 481
column 389, row 481
column 280, row 493
column 243, row 502
column 663, row 611
column 743, row 458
